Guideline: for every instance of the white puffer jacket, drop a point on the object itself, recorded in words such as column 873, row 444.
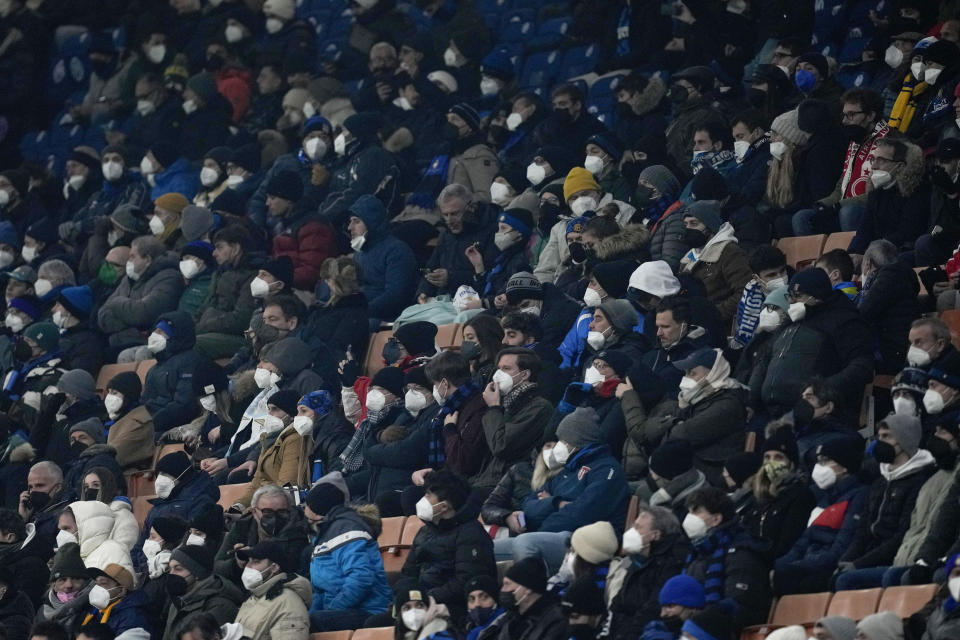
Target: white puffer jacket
column 95, row 523
column 126, row 531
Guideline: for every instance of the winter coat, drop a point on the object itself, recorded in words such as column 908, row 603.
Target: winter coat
column 593, row 484
column 392, row 462
column 341, row 325
column 889, row 306
column 195, row 292
column 367, row 169
column 49, row 434
column 277, row 609
column 331, row 435
column 179, row 177
column 781, row 521
column 666, row 242
column 449, row 255
column 508, row 495
column 634, row 583
column 132, row 437
column 96, row 524
column 387, row 265
column 892, row 216
column 831, row 341
column 497, row 273
column 672, row 493
column 16, row 615
column 96, row 455
column 126, row 529
column 82, row 348
column 645, row 430
column 68, row 614
column 544, row 620
column 510, row 435
column 162, row 124
column 885, row 522
column 715, row 428
column 214, row 595
column 307, row 244
column 447, row 553
column 294, row 536
column 132, row 309
column 286, row 461
column 688, row 117
column 942, row 624
column 129, row 189
column 943, row 533
column 168, row 390
column 27, row 564
column 131, row 612
column 346, row 570
column 193, row 494
column 229, row 305
column 930, row 502
column 748, row 182
column 204, row 129
column 723, row 269
column 475, row 168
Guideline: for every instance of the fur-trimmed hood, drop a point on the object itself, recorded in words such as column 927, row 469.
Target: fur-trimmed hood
column 23, row 452
column 910, row 175
column 651, row 96
column 631, row 243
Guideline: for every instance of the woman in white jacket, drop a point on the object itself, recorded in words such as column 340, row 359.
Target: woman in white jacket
column 90, row 523
column 99, row 484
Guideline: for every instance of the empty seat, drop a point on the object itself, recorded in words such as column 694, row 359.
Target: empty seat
column 447, row 334
column 331, row 635
column 516, row 30
column 802, row 251
column 139, row 483
column 856, row 604
column 550, row 34
column 378, row 633
column 906, row 601
column 107, row 373
column 952, row 320
column 230, row 493
column 580, row 60
column 838, row 240
column 390, row 534
column 374, row 360
column 540, row 69
column 632, row 510
column 143, row 367
column 800, row 609
column 141, row 507
column 410, row 529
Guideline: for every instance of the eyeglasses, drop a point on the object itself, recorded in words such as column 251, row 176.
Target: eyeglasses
column 847, row 115
column 880, row 160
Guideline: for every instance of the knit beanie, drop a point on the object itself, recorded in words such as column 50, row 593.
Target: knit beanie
column 468, row 114
column 324, row 497
column 701, row 77
column 839, row 627
column 221, row 155
column 743, row 465
column 885, row 625
column 576, row 225
column 127, row 218
column 173, row 201
column 818, row 61
column 786, row 125
column 43, row 230
column 418, row 338
column 445, row 79
column 596, row 543
column 165, row 152
column 530, row 573
column 320, row 402
column 87, row 156
column 204, row 85
column 655, row 278
column 209, row 378
column 684, row 591
column 282, row 9
column 620, row 314
column 619, row 361
column 583, row 597
column 67, row 563
column 813, row 282
column 286, row 184
column 485, row 583
column 579, row 179
column 316, row 123
column 710, row 624
column 614, row 276
column 947, row 370
column 497, row 64
column 195, row 558
column 785, row 442
column 519, row 219
column 92, row 427
column 389, row 378
column 286, row 400
column 907, row 431
column 20, row 180
column 778, row 298
column 846, row 450
column 793, row 632
column 209, row 520
column 707, row 212
column 523, row 285
column 280, row 268
column 672, row 458
column 77, row 301
column 662, row 179
column 195, row 221
column 128, row 384
column 27, row 304
column 45, row 334
column 708, row 184
column 580, row 428
column 202, row 250
column 9, row 235
column 118, row 149
column 417, row 376
column 247, row 157
column 943, row 52
column 407, row 590
column 365, row 124
column 173, row 464
column 609, row 143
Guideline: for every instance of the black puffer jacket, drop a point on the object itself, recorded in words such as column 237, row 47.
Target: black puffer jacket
column 888, row 307
column 16, row 614
column 508, row 495
column 667, row 243
column 715, row 428
column 168, row 391
column 544, row 620
column 391, row 463
column 449, row 254
column 331, row 435
column 782, row 520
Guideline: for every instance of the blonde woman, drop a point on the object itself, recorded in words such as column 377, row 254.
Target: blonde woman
column 340, row 317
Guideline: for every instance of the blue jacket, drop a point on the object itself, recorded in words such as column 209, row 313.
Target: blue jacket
column 346, row 569
column 177, row 178
column 592, row 482
column 823, row 543
column 168, row 390
column 572, row 345
column 130, row 613
column 476, row 631
column 186, row 501
column 387, row 265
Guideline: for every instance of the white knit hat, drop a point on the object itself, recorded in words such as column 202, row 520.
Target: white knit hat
column 655, row 278
column 596, row 543
column 282, row 9
column 786, row 125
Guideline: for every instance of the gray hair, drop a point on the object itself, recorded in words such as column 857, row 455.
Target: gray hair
column 57, row 272
column 880, row 253
column 267, row 491
column 940, row 330
column 455, row 191
column 50, row 468
column 383, row 45
column 664, row 519
column 148, row 246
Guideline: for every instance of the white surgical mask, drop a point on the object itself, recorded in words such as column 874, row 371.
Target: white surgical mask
column 740, row 148
column 157, row 53
column 156, row 342
column 535, row 173
column 340, row 145
column 259, row 288
column 514, row 120
column 768, row 320
column 315, row 148
column 583, row 204
column 504, row 381
column 209, row 402
column 593, row 164
column 209, row 176
column 60, row 319
column 596, row 340
column 303, row 425
column 272, row 424
column 233, row 33
column 694, row 526
column 489, row 86
column 273, row 25
column 880, row 179
column 29, row 254
column 499, row 193
column 436, row 395
column 450, row 58
column 150, row 548
column 823, row 476
column 905, row 406
column 916, row 69
column 163, row 486
column 6, row 259
column 632, row 541
column 4, row 197
column 357, row 243
column 953, row 586
column 893, row 57
column 414, row 401
column 917, row 357
column 99, row 597
column 264, row 378
column 933, row 401
column 778, row 149
column 195, row 540
column 111, row 170
column 14, row 323
column 156, row 225
column 413, row 619
column 189, row 268
column 592, row 376
column 591, row 297
column 76, row 182
column 113, row 403
column 234, row 180
column 41, row 286
column 425, row 509
column 774, row 283
column 65, row 537
column 550, row 460
column 930, row 75
column 189, row 106
column 375, row 400
column 688, row 384
column 145, row 108
column 505, row 240
column 561, row 452
column 251, row 578
column 797, row 311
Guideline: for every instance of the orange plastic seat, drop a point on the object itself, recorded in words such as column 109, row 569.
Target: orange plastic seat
column 143, row 367
column 856, row 604
column 374, row 360
column 377, row 633
column 800, row 608
column 108, row 371
column 141, row 508
column 230, row 493
column 906, row 601
column 390, row 535
column 952, row 320
column 802, row 251
column 838, row 240
column 331, row 635
column 410, row 529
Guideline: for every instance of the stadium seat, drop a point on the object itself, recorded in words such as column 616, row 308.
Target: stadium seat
column 838, row 240
column 374, row 359
column 164, row 449
column 516, row 31
column 800, row 609
column 498, row 6
column 632, row 510
column 856, row 604
column 141, row 507
column 516, row 15
column 410, row 529
column 108, row 371
column 230, row 493
column 390, row 534
column 952, row 319
column 378, row 633
column 143, row 367
column 802, row 251
column 447, row 334
column 139, row 483
column 580, row 60
column 550, row 34
column 540, row 69
column 906, row 601
column 331, row 635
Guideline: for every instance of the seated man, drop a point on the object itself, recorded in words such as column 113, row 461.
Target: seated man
column 81, row 345
column 168, row 390
column 194, row 587
column 532, row 612
column 277, row 604
column 118, row 604
column 181, row 491
column 839, row 267
column 39, row 366
column 27, row 562
column 40, row 505
column 888, row 304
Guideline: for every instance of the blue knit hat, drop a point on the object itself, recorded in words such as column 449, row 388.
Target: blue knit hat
column 497, row 64
column 684, row 591
column 610, row 145
column 316, row 123
column 8, row 235
column 77, row 300
column 576, row 225
column 813, row 282
column 319, row 401
column 519, row 219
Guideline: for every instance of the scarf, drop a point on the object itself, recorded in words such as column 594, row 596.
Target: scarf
column 352, row 456
column 718, row 378
column 436, row 452
column 905, row 106
column 713, row 547
column 498, row 266
column 856, row 171
column 712, row 159
column 510, row 400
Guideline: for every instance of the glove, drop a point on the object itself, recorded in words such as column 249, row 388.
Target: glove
column 919, row 574
column 351, row 371
column 319, row 176
column 576, row 394
column 51, row 402
column 68, row 231
column 826, row 211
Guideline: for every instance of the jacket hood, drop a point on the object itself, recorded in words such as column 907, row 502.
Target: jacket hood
column 290, row 355
column 920, row 461
column 651, row 96
column 98, row 449
column 371, row 211
column 273, row 587
column 166, row 261
column 184, row 332
column 94, row 523
column 630, row 243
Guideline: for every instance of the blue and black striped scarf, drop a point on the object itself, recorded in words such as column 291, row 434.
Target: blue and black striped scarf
column 713, row 547
column 436, row 453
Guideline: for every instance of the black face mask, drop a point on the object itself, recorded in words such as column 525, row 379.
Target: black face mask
column 470, row 349
column 578, row 253
column 945, row 456
column 884, row 452
column 802, row 413
column 562, row 116
column 39, row 500
column 176, row 585
column 582, row 632
column 549, row 214
column 694, row 238
column 481, row 615
column 91, row 494
column 23, row 352
column 391, row 352
column 272, row 524
column 508, row 600
column 642, row 196
column 854, row 132
column 624, row 109
column 757, row 98
column 673, row 624
column 450, row 133
column 77, row 447
column 678, row 94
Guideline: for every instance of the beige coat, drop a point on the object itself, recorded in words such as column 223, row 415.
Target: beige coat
column 475, row 169
column 277, row 610
column 132, row 437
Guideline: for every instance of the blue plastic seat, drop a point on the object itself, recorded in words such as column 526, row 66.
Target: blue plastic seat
column 517, row 15
column 580, row 60
column 515, row 31
column 550, row 34
column 493, row 6
column 540, row 69
column 339, row 28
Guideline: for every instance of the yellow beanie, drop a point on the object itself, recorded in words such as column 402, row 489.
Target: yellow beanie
column 171, row 202
column 579, row 179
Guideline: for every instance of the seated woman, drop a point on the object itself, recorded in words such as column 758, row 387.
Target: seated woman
column 99, row 484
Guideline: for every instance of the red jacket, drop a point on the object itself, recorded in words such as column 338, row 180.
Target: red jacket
column 313, row 243
column 233, row 83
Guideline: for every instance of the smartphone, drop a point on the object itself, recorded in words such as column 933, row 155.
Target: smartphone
column 476, row 245
column 522, row 519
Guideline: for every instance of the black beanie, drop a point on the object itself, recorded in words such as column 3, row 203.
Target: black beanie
column 487, row 584
column 846, row 451
column 324, row 497
column 418, row 338
column 619, row 361
column 741, row 466
column 417, row 376
column 530, row 573
column 286, row 184
column 170, row 528
column 67, row 563
column 165, row 152
column 785, row 442
column 209, row 520
column 173, row 464
column 286, row 400
column 391, row 379
column 672, row 458
column 195, row 558
column 614, row 276
column 583, row 597
column 708, row 184
column 208, row 378
column 127, row 383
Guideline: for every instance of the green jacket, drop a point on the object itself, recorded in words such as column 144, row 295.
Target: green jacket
column 212, row 595
column 195, row 293
column 229, row 304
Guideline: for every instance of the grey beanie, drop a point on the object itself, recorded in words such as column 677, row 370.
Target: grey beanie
column 290, row 355
column 92, row 427
column 620, row 314
column 661, row 178
column 79, row 383
column 907, row 431
column 882, row 626
column 786, row 125
column 195, row 221
column 580, row 428
column 839, row 627
column 707, row 212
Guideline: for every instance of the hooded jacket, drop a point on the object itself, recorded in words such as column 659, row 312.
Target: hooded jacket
column 192, row 495
column 889, row 306
column 931, row 499
column 367, row 169
column 95, row 524
column 277, row 609
column 387, row 265
column 229, row 304
column 214, row 595
column 96, row 455
column 781, row 519
column 133, row 307
column 307, row 242
column 723, row 268
column 16, row 614
column 544, row 620
column 179, row 177
column 132, row 437
column 341, row 325
column 168, row 390
column 449, row 255
column 27, row 563
column 82, row 348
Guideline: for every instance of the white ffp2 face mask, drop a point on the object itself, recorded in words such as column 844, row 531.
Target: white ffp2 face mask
column 163, row 486
column 375, row 400
column 583, row 204
column 694, row 526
